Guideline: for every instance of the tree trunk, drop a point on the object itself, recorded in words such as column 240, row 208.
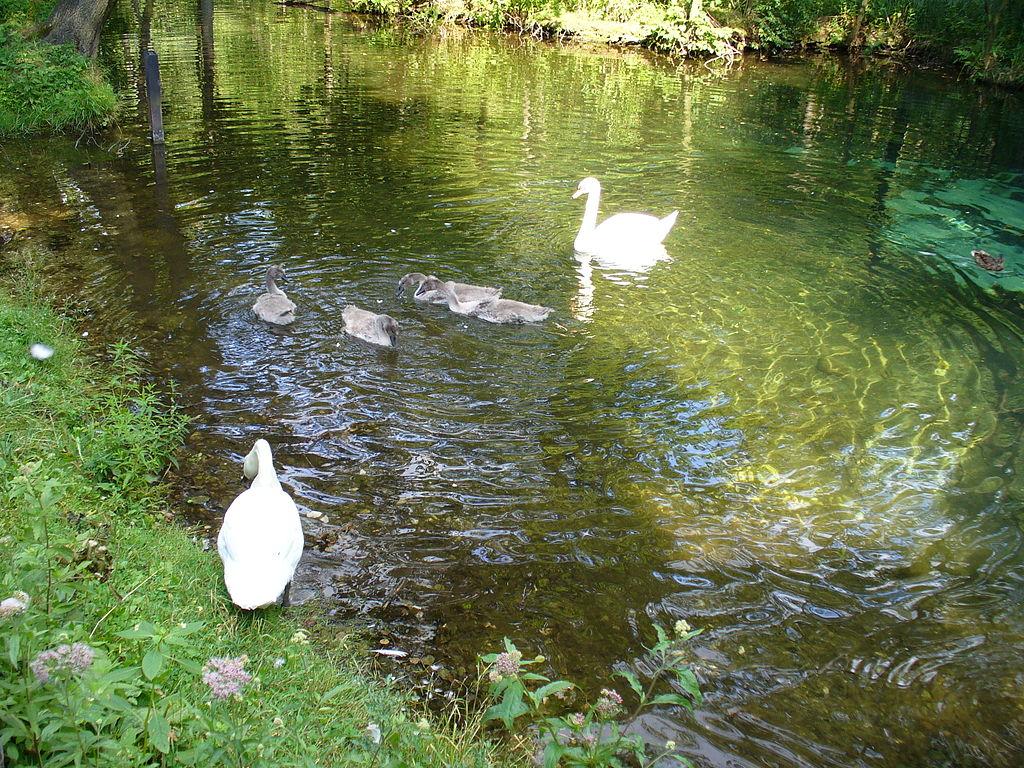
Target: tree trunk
column 77, row 22
column 858, row 24
column 993, row 17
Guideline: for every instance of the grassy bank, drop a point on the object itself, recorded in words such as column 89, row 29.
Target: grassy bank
column 46, row 88
column 985, row 37
column 111, row 611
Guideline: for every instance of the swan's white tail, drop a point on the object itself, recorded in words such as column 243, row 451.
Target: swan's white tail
column 667, row 223
column 254, row 587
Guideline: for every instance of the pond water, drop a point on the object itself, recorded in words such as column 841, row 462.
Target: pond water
column 801, row 431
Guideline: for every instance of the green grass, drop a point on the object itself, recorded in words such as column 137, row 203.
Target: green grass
column 46, row 88
column 86, row 535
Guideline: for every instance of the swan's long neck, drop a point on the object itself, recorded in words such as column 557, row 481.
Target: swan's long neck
column 454, row 304
column 590, row 213
column 272, row 288
column 266, row 477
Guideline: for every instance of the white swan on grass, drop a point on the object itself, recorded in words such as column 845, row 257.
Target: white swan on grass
column 625, row 240
column 260, row 540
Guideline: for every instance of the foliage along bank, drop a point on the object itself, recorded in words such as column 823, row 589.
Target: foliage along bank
column 44, row 87
column 986, row 37
column 118, row 644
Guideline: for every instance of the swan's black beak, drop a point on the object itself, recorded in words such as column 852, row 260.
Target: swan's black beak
column 401, row 289
column 394, row 338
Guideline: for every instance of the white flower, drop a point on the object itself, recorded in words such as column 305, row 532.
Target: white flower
column 372, row 732
column 423, row 724
column 13, row 605
column 300, row 638
column 670, row 745
column 682, row 627
column 279, row 662
column 41, row 351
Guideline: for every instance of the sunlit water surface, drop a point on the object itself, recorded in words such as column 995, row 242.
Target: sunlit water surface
column 801, row 431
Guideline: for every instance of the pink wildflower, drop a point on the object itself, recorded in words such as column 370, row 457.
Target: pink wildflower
column 577, row 719
column 507, row 663
column 608, row 704
column 226, row 676
column 64, row 658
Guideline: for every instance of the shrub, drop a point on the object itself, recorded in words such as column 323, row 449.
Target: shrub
column 49, row 88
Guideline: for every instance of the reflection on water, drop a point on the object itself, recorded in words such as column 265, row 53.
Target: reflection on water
column 801, row 430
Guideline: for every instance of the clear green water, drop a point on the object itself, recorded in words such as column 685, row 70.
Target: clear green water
column 802, row 431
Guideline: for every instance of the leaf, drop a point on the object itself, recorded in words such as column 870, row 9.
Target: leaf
column 159, row 732
column 188, row 629
column 509, row 708
column 14, row 649
column 534, row 677
column 674, row 699
column 489, row 658
column 632, row 679
column 639, row 749
column 689, row 684
column 140, row 632
column 120, row 675
column 332, row 693
column 119, row 704
column 178, row 634
column 662, row 637
column 152, row 663
column 553, row 754
column 509, row 646
column 187, row 757
column 552, row 688
column 192, row 667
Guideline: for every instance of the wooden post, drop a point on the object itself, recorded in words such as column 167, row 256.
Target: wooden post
column 156, row 116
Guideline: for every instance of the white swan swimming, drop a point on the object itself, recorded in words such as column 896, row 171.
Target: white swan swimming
column 260, row 540
column 622, row 238
column 274, row 306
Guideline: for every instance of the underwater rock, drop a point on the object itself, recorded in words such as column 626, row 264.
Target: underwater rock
column 986, row 261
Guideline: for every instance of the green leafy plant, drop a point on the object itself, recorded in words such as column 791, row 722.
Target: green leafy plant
column 675, row 32
column 124, row 451
column 593, row 735
column 47, row 87
column 161, row 650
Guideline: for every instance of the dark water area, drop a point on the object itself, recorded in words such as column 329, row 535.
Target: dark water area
column 801, row 431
